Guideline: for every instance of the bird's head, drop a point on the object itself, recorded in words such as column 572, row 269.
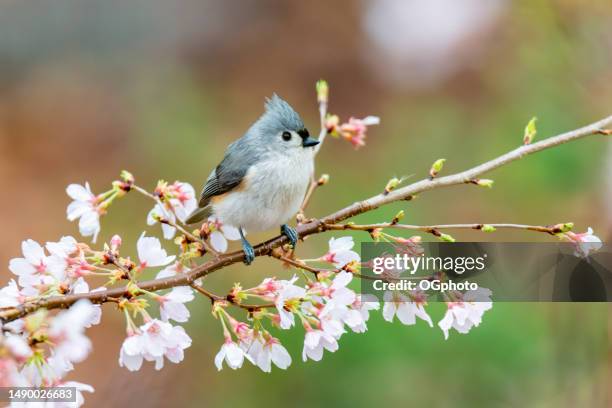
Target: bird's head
column 281, row 129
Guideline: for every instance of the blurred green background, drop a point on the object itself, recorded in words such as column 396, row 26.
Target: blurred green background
column 88, row 88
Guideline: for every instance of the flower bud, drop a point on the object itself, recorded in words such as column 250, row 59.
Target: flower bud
column 127, row 177
column 530, row 131
column 487, row 228
column 392, row 185
column 562, row 228
column 324, row 179
column 436, row 168
column 322, row 91
column 398, row 217
column 332, row 122
column 115, row 242
column 484, row 182
column 446, row 238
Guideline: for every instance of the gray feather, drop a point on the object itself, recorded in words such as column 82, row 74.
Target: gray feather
column 198, row 215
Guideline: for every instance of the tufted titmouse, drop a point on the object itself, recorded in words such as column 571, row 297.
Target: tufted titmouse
column 262, row 180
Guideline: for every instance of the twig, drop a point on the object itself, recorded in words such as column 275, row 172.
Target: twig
column 217, row 298
column 311, row 188
column 312, row 227
column 433, row 228
column 314, row 183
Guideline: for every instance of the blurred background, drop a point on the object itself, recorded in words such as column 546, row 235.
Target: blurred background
column 88, row 88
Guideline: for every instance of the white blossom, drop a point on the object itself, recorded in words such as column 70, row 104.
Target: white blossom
column 341, row 252
column 264, row 352
column 586, row 242
column 9, row 295
column 172, row 304
column 60, row 251
column 17, row 345
column 85, row 207
column 315, row 342
column 160, row 211
column 66, row 331
column 338, row 296
column 180, row 201
column 406, row 310
column 32, row 268
column 221, row 233
column 362, row 305
column 231, row 353
column 287, row 300
column 154, row 341
column 465, row 314
column 151, row 253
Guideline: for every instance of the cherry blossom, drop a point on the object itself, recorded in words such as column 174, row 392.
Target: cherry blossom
column 32, row 268
column 172, row 304
column 9, row 295
column 152, row 342
column 151, row 253
column 586, row 242
column 315, row 342
column 60, row 252
column 467, row 313
column 18, row 346
column 287, row 301
column 159, row 211
column 406, row 310
column 84, row 206
column 14, row 350
column 178, row 200
column 221, row 233
column 362, row 305
column 131, row 353
column 265, row 351
column 341, row 252
column 339, row 297
column 66, row 331
column 353, row 131
column 231, row 353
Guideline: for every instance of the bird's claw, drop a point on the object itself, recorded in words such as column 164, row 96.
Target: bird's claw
column 249, row 253
column 290, row 233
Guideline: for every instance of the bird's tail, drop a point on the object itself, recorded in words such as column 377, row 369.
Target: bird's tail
column 198, row 215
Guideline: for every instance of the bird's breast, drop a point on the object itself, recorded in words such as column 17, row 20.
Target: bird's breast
column 270, row 194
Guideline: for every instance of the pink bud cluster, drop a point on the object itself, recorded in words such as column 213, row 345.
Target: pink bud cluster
column 354, row 131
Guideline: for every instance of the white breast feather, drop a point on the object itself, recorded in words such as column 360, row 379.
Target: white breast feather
column 273, row 192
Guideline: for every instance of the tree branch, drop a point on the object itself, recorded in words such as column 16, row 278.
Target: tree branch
column 314, row 226
column 431, row 229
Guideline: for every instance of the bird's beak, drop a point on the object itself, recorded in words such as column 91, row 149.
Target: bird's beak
column 309, row 142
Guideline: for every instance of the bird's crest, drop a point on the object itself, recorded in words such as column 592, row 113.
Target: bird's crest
column 279, row 112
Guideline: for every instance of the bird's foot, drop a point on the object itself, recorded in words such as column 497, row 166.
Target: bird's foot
column 290, row 233
column 249, row 252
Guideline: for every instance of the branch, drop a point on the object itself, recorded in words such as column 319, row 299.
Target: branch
column 314, row 226
column 432, row 229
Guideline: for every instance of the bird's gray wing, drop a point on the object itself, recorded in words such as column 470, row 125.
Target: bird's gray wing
column 229, row 173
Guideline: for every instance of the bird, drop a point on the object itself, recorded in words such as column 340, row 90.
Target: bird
column 262, row 180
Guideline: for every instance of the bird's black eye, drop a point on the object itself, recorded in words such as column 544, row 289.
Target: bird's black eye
column 286, row 136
